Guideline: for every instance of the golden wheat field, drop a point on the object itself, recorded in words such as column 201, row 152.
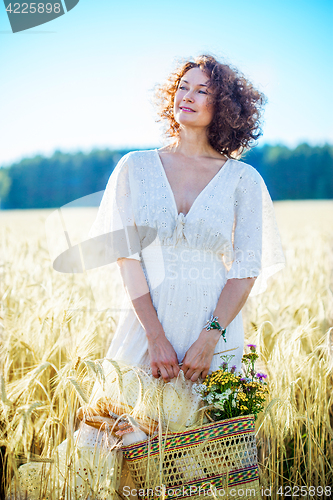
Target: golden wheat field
column 53, row 326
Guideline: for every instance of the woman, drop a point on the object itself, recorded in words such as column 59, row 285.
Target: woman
column 192, row 228
column 213, row 219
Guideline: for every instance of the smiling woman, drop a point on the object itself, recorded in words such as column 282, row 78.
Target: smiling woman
column 236, row 103
column 201, row 203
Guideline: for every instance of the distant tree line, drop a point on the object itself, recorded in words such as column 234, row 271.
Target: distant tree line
column 305, row 172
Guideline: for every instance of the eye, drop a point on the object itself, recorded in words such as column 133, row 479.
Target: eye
column 203, row 92
column 181, row 87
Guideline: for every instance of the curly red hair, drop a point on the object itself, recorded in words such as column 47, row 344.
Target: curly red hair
column 237, row 105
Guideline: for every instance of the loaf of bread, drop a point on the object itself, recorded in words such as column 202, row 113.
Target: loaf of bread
column 107, row 405
column 107, row 411
column 92, row 417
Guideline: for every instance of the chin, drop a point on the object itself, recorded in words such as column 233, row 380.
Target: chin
column 185, row 120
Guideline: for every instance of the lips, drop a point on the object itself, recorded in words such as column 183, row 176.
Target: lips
column 186, row 109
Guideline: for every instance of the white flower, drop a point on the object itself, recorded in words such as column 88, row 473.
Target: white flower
column 209, row 398
column 219, row 404
column 198, row 388
column 221, row 397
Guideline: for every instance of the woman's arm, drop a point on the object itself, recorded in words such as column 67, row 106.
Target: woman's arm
column 163, row 358
column 198, row 358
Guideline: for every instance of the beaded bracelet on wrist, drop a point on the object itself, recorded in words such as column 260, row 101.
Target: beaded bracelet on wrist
column 213, row 324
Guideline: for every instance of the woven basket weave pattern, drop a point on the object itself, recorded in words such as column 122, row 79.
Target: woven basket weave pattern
column 216, row 455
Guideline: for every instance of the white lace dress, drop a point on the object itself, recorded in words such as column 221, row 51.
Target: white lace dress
column 230, row 232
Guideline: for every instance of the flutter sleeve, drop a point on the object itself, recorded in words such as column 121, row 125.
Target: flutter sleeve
column 114, row 228
column 256, row 240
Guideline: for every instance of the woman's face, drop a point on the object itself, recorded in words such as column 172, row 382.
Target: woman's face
column 191, row 106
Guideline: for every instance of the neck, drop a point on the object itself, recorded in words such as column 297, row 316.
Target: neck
column 193, row 142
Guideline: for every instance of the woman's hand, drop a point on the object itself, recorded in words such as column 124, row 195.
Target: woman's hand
column 198, row 358
column 163, row 357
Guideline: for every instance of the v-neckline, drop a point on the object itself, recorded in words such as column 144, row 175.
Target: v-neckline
column 170, row 189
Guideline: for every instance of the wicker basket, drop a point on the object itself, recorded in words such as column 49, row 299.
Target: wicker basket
column 211, row 460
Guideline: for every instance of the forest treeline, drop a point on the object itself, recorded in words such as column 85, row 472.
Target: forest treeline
column 305, row 172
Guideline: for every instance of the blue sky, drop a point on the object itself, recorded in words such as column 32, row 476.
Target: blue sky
column 85, row 79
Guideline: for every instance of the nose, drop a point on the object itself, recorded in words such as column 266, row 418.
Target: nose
column 187, row 97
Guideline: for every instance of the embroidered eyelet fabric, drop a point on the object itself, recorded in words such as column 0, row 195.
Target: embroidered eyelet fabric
column 230, row 232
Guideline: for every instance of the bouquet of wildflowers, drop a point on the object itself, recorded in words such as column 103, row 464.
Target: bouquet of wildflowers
column 230, row 394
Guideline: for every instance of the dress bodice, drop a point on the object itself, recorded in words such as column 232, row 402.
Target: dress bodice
column 233, row 216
